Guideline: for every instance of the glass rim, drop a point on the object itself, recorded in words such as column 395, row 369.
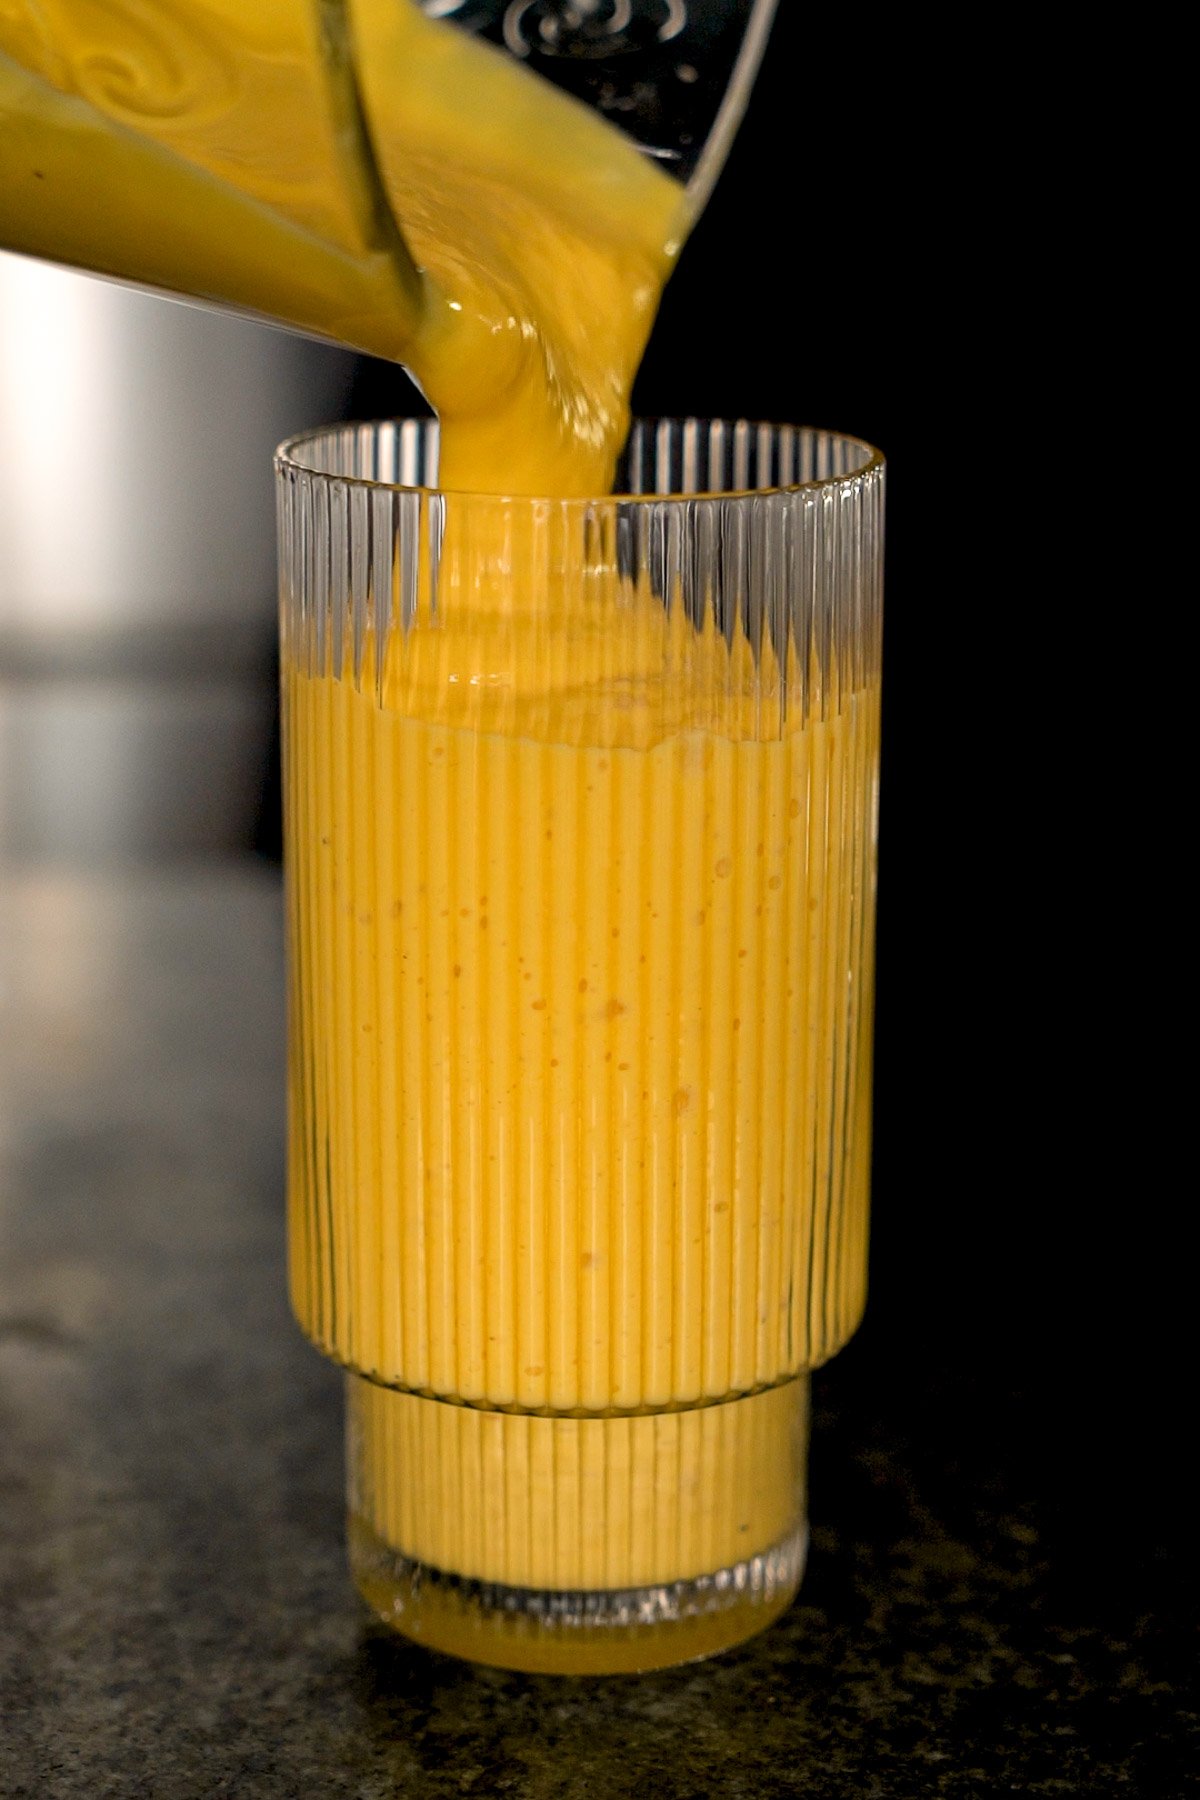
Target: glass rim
column 288, row 460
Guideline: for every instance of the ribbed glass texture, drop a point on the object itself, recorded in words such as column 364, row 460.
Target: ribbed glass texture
column 580, row 821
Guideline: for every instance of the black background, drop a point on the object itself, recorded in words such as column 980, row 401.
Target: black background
column 882, row 256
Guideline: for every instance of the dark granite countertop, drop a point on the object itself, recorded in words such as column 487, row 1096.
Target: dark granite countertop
column 991, row 1606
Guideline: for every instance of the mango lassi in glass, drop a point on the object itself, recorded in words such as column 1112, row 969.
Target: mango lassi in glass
column 580, row 815
column 579, row 811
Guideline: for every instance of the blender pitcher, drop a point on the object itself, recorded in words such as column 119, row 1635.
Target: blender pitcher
column 238, row 162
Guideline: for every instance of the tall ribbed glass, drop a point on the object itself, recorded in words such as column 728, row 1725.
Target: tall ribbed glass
column 580, row 807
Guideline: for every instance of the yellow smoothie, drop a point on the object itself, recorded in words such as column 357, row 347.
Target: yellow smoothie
column 581, row 1082
column 580, row 1061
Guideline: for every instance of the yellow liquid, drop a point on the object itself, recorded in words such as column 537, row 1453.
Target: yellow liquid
column 580, row 1094
column 580, row 963
column 581, row 1076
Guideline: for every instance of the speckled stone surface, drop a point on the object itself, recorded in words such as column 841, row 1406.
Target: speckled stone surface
column 175, row 1616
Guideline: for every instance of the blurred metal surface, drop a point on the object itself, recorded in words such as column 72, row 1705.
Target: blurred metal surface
column 137, row 559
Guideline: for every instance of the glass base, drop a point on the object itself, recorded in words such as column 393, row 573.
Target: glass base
column 580, row 1545
column 579, row 1632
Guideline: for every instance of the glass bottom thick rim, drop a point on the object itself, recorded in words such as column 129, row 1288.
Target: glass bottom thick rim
column 581, row 1630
